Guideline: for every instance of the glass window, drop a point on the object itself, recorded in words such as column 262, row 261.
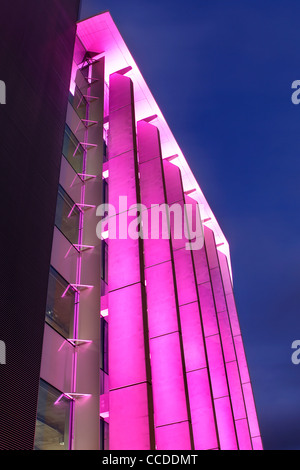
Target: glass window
column 85, row 71
column 105, row 153
column 106, row 100
column 72, row 150
column 104, row 385
column 67, row 216
column 104, row 288
column 104, row 261
column 105, row 193
column 104, row 429
column 79, row 103
column 60, row 308
column 52, row 423
column 104, row 345
column 79, row 51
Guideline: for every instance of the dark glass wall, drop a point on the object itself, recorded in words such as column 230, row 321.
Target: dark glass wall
column 36, row 47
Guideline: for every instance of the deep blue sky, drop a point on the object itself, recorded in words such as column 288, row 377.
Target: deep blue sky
column 221, row 72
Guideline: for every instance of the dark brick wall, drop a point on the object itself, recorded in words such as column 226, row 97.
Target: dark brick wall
column 36, row 47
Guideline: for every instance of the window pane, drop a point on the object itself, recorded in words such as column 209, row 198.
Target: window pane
column 60, row 310
column 105, row 153
column 104, row 384
column 67, row 216
column 85, row 71
column 78, row 102
column 105, row 193
column 72, row 150
column 104, row 429
column 104, row 288
column 104, row 345
column 52, row 424
column 104, row 261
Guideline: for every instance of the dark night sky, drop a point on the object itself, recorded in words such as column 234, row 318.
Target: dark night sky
column 221, row 73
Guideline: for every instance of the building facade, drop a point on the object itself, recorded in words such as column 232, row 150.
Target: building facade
column 141, row 347
column 37, row 42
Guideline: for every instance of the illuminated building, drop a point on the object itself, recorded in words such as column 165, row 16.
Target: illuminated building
column 141, row 344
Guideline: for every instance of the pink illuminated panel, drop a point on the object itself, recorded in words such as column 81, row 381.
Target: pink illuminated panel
column 122, row 92
column 251, row 411
column 218, row 289
column 225, row 273
column 151, row 171
column 229, row 294
column 128, row 418
column 129, row 395
column 156, row 250
column 234, row 321
column 216, row 366
column 167, row 379
column 242, row 371
column 122, row 179
column 210, row 324
column 212, row 256
column 121, row 131
column 173, row 182
column 156, row 240
column 179, row 237
column 172, row 429
column 162, row 309
column 243, row 435
column 201, row 266
column 257, row 443
column 123, row 263
column 226, row 337
column 192, row 337
column 148, row 142
column 173, row 437
column 202, row 413
column 235, row 389
column 241, row 358
column 185, row 278
column 226, row 427
column 126, row 344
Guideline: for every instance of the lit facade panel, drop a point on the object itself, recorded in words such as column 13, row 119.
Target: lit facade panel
column 167, row 368
column 128, row 346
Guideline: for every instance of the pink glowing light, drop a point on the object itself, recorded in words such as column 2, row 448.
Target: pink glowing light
column 86, row 176
column 77, row 288
column 72, row 396
column 62, row 345
column 104, row 313
column 79, row 342
column 79, row 248
column 104, row 235
column 81, row 207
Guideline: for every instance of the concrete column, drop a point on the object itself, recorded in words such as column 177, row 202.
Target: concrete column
column 130, row 404
column 198, row 380
column 171, row 414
